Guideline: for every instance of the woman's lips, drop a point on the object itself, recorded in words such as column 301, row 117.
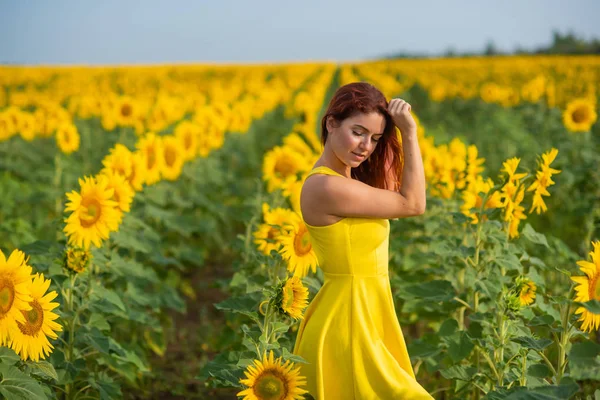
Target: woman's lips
column 359, row 156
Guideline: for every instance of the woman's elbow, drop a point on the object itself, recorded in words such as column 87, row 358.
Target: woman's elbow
column 420, row 209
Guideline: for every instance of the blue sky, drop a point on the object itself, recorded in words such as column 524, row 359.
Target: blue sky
column 116, row 32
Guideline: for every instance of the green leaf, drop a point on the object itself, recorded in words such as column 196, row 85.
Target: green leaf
column 563, row 391
column 460, row 347
column 448, row 327
column 133, row 358
column 8, row 356
column 97, row 320
column 286, row 355
column 420, row 349
column 510, row 262
column 280, row 327
column 436, row 290
column 246, row 305
column 43, row 368
column 459, row 372
column 101, row 293
column 584, row 360
column 106, row 386
column 592, row 306
column 539, row 371
column 38, row 247
column 18, row 385
column 541, row 320
column 530, row 234
column 475, row 330
column 98, row 340
column 531, row 343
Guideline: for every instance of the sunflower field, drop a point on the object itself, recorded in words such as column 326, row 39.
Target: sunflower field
column 151, row 242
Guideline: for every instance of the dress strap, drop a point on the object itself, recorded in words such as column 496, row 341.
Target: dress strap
column 323, row 170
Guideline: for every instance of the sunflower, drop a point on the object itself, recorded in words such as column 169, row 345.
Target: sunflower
column 126, row 111
column 137, row 178
column 27, row 126
column 294, row 297
column 151, row 146
column 30, row 340
column 526, row 290
column 282, row 164
column 67, row 138
column 292, row 190
column 543, row 181
column 187, row 132
column 119, row 160
column 76, row 259
column 7, row 127
column 269, row 379
column 472, row 199
column 173, row 154
column 298, row 144
column 94, row 213
column 123, row 193
column 266, row 237
column 516, row 215
column 14, row 293
column 588, row 289
column 297, row 249
column 580, row 115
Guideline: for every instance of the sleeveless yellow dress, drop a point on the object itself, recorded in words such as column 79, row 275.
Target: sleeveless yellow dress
column 350, row 334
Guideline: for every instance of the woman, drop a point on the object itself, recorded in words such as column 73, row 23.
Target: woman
column 350, row 334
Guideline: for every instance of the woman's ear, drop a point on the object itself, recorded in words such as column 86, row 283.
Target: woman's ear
column 329, row 123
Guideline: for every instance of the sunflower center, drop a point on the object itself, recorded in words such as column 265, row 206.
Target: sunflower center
column 188, row 141
column 126, row 110
column 151, row 158
column 7, row 296
column 34, row 319
column 302, row 244
column 170, row 156
column 270, row 385
column 285, row 167
column 596, row 290
column 580, row 115
column 116, row 196
column 273, row 233
column 94, row 211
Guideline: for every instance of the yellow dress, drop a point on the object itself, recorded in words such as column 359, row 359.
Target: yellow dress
column 350, row 334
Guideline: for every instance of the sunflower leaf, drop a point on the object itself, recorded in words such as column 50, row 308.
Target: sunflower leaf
column 534, row 237
column 44, row 369
column 15, row 384
column 292, row 357
column 436, row 290
column 592, row 306
column 8, row 356
column 246, row 305
column 531, row 343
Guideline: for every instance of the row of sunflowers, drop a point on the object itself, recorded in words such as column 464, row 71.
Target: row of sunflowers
column 84, row 270
column 492, row 216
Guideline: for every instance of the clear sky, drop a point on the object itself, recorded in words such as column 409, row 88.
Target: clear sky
column 122, row 31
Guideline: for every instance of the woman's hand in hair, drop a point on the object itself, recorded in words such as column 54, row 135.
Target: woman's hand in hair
column 400, row 112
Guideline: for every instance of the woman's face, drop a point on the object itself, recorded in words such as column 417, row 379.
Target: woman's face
column 354, row 139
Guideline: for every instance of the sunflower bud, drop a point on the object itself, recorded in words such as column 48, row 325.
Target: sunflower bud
column 77, row 259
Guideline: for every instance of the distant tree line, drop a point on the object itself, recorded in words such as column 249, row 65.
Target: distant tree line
column 568, row 43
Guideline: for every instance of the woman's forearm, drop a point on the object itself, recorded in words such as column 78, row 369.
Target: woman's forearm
column 413, row 174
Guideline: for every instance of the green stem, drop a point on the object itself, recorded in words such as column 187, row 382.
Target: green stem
column 548, row 363
column 565, row 338
column 490, row 363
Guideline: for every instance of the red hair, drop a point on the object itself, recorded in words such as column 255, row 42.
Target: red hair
column 362, row 97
